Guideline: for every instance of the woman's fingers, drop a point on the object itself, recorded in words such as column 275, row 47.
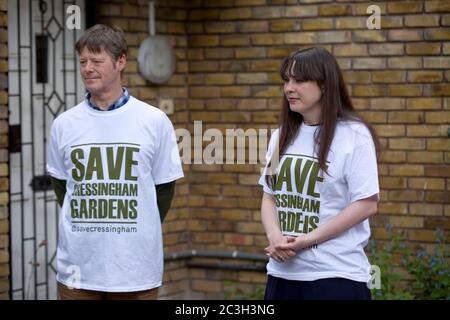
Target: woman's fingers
column 274, row 257
column 291, row 239
column 283, row 255
column 284, row 246
column 290, row 253
column 280, row 252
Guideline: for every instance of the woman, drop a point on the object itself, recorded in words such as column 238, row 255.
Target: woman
column 316, row 205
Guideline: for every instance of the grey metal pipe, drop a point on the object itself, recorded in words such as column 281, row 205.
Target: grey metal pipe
column 215, row 254
column 228, row 266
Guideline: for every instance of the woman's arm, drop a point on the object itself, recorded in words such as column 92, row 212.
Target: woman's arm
column 272, row 228
column 355, row 213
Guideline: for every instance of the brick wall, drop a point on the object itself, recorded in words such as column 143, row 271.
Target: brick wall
column 4, row 158
column 131, row 16
column 398, row 77
column 228, row 55
column 229, row 52
column 232, row 84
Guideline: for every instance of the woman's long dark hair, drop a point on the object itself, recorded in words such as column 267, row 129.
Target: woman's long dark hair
column 317, row 64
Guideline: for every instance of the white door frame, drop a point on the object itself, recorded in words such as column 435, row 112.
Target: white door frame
column 33, row 105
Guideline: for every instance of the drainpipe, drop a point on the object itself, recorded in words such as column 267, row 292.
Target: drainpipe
column 188, row 254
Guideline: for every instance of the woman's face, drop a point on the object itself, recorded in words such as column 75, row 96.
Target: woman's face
column 303, row 96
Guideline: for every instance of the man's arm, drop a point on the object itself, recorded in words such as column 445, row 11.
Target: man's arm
column 60, row 189
column 164, row 195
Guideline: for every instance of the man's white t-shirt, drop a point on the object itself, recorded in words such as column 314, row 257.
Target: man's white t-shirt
column 306, row 198
column 110, row 236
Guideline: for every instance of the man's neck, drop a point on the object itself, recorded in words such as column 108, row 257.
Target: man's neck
column 105, row 100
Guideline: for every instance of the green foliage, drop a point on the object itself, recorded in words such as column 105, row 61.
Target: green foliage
column 383, row 257
column 233, row 292
column 430, row 273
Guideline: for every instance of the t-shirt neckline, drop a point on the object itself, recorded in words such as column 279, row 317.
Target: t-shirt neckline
column 309, row 128
column 108, row 113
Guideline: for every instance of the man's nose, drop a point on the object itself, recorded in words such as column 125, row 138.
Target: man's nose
column 88, row 66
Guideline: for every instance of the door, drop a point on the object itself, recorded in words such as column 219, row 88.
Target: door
column 43, row 82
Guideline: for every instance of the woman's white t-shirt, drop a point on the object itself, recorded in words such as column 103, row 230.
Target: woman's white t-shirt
column 110, row 235
column 306, row 198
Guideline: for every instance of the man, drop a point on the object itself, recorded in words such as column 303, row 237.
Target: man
column 113, row 161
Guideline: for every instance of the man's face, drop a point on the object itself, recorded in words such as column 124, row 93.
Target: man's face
column 99, row 72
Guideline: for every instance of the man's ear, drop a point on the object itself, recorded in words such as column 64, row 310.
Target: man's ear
column 121, row 62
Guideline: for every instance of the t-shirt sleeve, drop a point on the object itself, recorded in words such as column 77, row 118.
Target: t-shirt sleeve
column 361, row 172
column 273, row 144
column 55, row 163
column 166, row 164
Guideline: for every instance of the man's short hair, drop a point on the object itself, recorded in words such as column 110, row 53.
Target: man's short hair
column 101, row 36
